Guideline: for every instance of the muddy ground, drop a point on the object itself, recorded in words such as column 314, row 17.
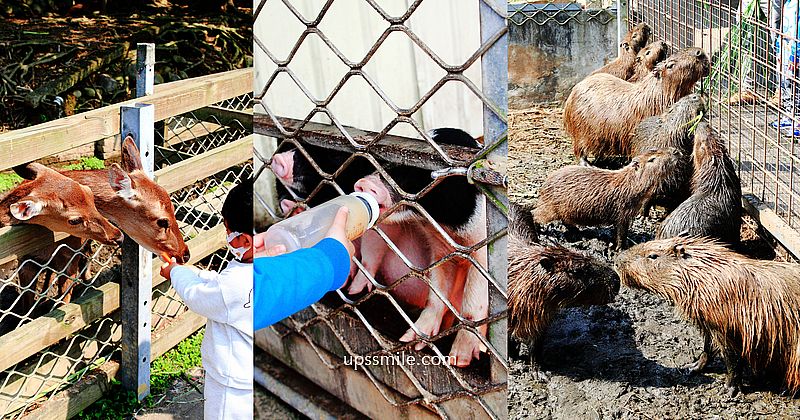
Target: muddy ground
column 623, row 360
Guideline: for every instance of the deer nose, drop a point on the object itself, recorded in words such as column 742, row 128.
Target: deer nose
column 120, row 239
column 186, row 255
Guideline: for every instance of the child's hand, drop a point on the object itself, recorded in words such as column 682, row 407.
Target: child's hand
column 167, row 267
column 338, row 230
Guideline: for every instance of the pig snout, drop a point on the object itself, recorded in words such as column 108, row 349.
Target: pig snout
column 373, row 186
column 282, row 165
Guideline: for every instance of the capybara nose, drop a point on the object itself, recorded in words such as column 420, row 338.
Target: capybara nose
column 698, row 53
column 186, row 255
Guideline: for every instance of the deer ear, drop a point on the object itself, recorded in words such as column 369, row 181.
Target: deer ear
column 30, row 170
column 26, row 209
column 131, row 160
column 120, row 182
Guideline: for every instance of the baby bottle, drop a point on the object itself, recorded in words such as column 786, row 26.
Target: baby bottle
column 311, row 226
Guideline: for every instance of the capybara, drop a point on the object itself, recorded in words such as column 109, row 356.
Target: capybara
column 590, row 196
column 544, row 279
column 715, row 207
column 633, row 42
column 654, row 53
column 671, row 129
column 602, row 111
column 749, row 309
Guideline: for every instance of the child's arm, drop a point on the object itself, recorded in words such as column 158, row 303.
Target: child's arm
column 287, row 283
column 201, row 295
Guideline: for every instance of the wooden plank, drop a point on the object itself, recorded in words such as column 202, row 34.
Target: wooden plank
column 170, row 99
column 18, row 241
column 71, row 401
column 391, row 148
column 350, row 386
column 68, row 403
column 773, row 223
column 189, row 171
column 61, row 322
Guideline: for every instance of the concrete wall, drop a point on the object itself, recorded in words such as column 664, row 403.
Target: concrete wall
column 547, row 58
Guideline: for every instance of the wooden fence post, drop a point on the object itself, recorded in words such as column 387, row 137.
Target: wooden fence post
column 136, row 286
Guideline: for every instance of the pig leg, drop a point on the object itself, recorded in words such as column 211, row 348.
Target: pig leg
column 373, row 250
column 430, row 320
column 474, row 307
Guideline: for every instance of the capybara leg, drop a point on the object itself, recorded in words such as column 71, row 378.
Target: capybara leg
column 474, row 307
column 373, row 249
column 535, row 355
column 705, row 356
column 430, row 320
column 514, row 349
column 622, row 235
column 734, row 365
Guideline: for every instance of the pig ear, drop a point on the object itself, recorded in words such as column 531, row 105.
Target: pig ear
column 26, row 209
column 131, row 160
column 31, row 170
column 120, row 182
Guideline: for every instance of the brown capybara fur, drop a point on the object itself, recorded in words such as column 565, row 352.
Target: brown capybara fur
column 602, row 111
column 590, row 196
column 646, row 60
column 544, row 279
column 671, row 129
column 749, row 309
column 715, row 207
column 623, row 65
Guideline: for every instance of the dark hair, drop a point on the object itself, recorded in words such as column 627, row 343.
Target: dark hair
column 238, row 207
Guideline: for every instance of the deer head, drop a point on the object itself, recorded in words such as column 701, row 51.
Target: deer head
column 135, row 203
column 58, row 203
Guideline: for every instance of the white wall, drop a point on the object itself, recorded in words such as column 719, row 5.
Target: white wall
column 451, row 28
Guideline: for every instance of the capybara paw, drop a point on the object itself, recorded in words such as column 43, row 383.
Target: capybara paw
column 698, row 365
column 466, row 347
column 732, row 390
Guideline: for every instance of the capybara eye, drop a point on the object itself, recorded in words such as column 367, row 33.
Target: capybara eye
column 670, row 65
column 76, row 221
column 652, row 159
column 653, row 256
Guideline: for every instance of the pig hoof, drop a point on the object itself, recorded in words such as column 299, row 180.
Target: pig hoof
column 359, row 283
column 466, row 347
column 410, row 336
column 428, row 324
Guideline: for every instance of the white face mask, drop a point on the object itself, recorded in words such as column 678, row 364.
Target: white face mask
column 239, row 252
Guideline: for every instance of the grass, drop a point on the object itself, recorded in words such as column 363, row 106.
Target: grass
column 118, row 403
column 86, row 163
column 9, row 181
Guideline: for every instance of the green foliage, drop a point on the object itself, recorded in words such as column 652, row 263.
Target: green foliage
column 86, row 163
column 9, row 181
column 118, row 403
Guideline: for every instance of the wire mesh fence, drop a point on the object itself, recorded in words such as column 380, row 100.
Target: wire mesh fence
column 751, row 86
column 562, row 13
column 57, row 305
column 395, row 145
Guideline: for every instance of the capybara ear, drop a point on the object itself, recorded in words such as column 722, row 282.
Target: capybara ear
column 638, row 59
column 548, row 263
column 679, row 251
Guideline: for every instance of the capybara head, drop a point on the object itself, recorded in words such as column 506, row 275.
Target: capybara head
column 656, row 164
column 707, row 145
column 680, row 71
column 654, row 53
column 637, row 37
column 656, row 265
column 575, row 279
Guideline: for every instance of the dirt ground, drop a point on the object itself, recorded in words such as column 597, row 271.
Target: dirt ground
column 623, row 360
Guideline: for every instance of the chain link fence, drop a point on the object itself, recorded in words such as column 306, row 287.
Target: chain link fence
column 752, row 97
column 322, row 341
column 562, row 13
column 58, row 318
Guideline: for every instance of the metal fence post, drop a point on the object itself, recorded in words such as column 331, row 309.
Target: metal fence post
column 494, row 70
column 137, row 262
column 622, row 23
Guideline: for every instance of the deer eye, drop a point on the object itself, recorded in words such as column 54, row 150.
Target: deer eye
column 163, row 223
column 76, row 221
column 653, row 256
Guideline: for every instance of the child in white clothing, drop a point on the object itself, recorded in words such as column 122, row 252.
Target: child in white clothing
column 225, row 300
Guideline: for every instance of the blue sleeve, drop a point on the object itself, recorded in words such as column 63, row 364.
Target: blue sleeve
column 287, row 283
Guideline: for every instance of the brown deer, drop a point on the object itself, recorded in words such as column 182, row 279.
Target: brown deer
column 52, row 200
column 135, row 203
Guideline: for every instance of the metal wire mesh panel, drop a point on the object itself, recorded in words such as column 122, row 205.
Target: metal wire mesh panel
column 322, row 129
column 752, row 95
column 36, row 291
column 563, row 13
